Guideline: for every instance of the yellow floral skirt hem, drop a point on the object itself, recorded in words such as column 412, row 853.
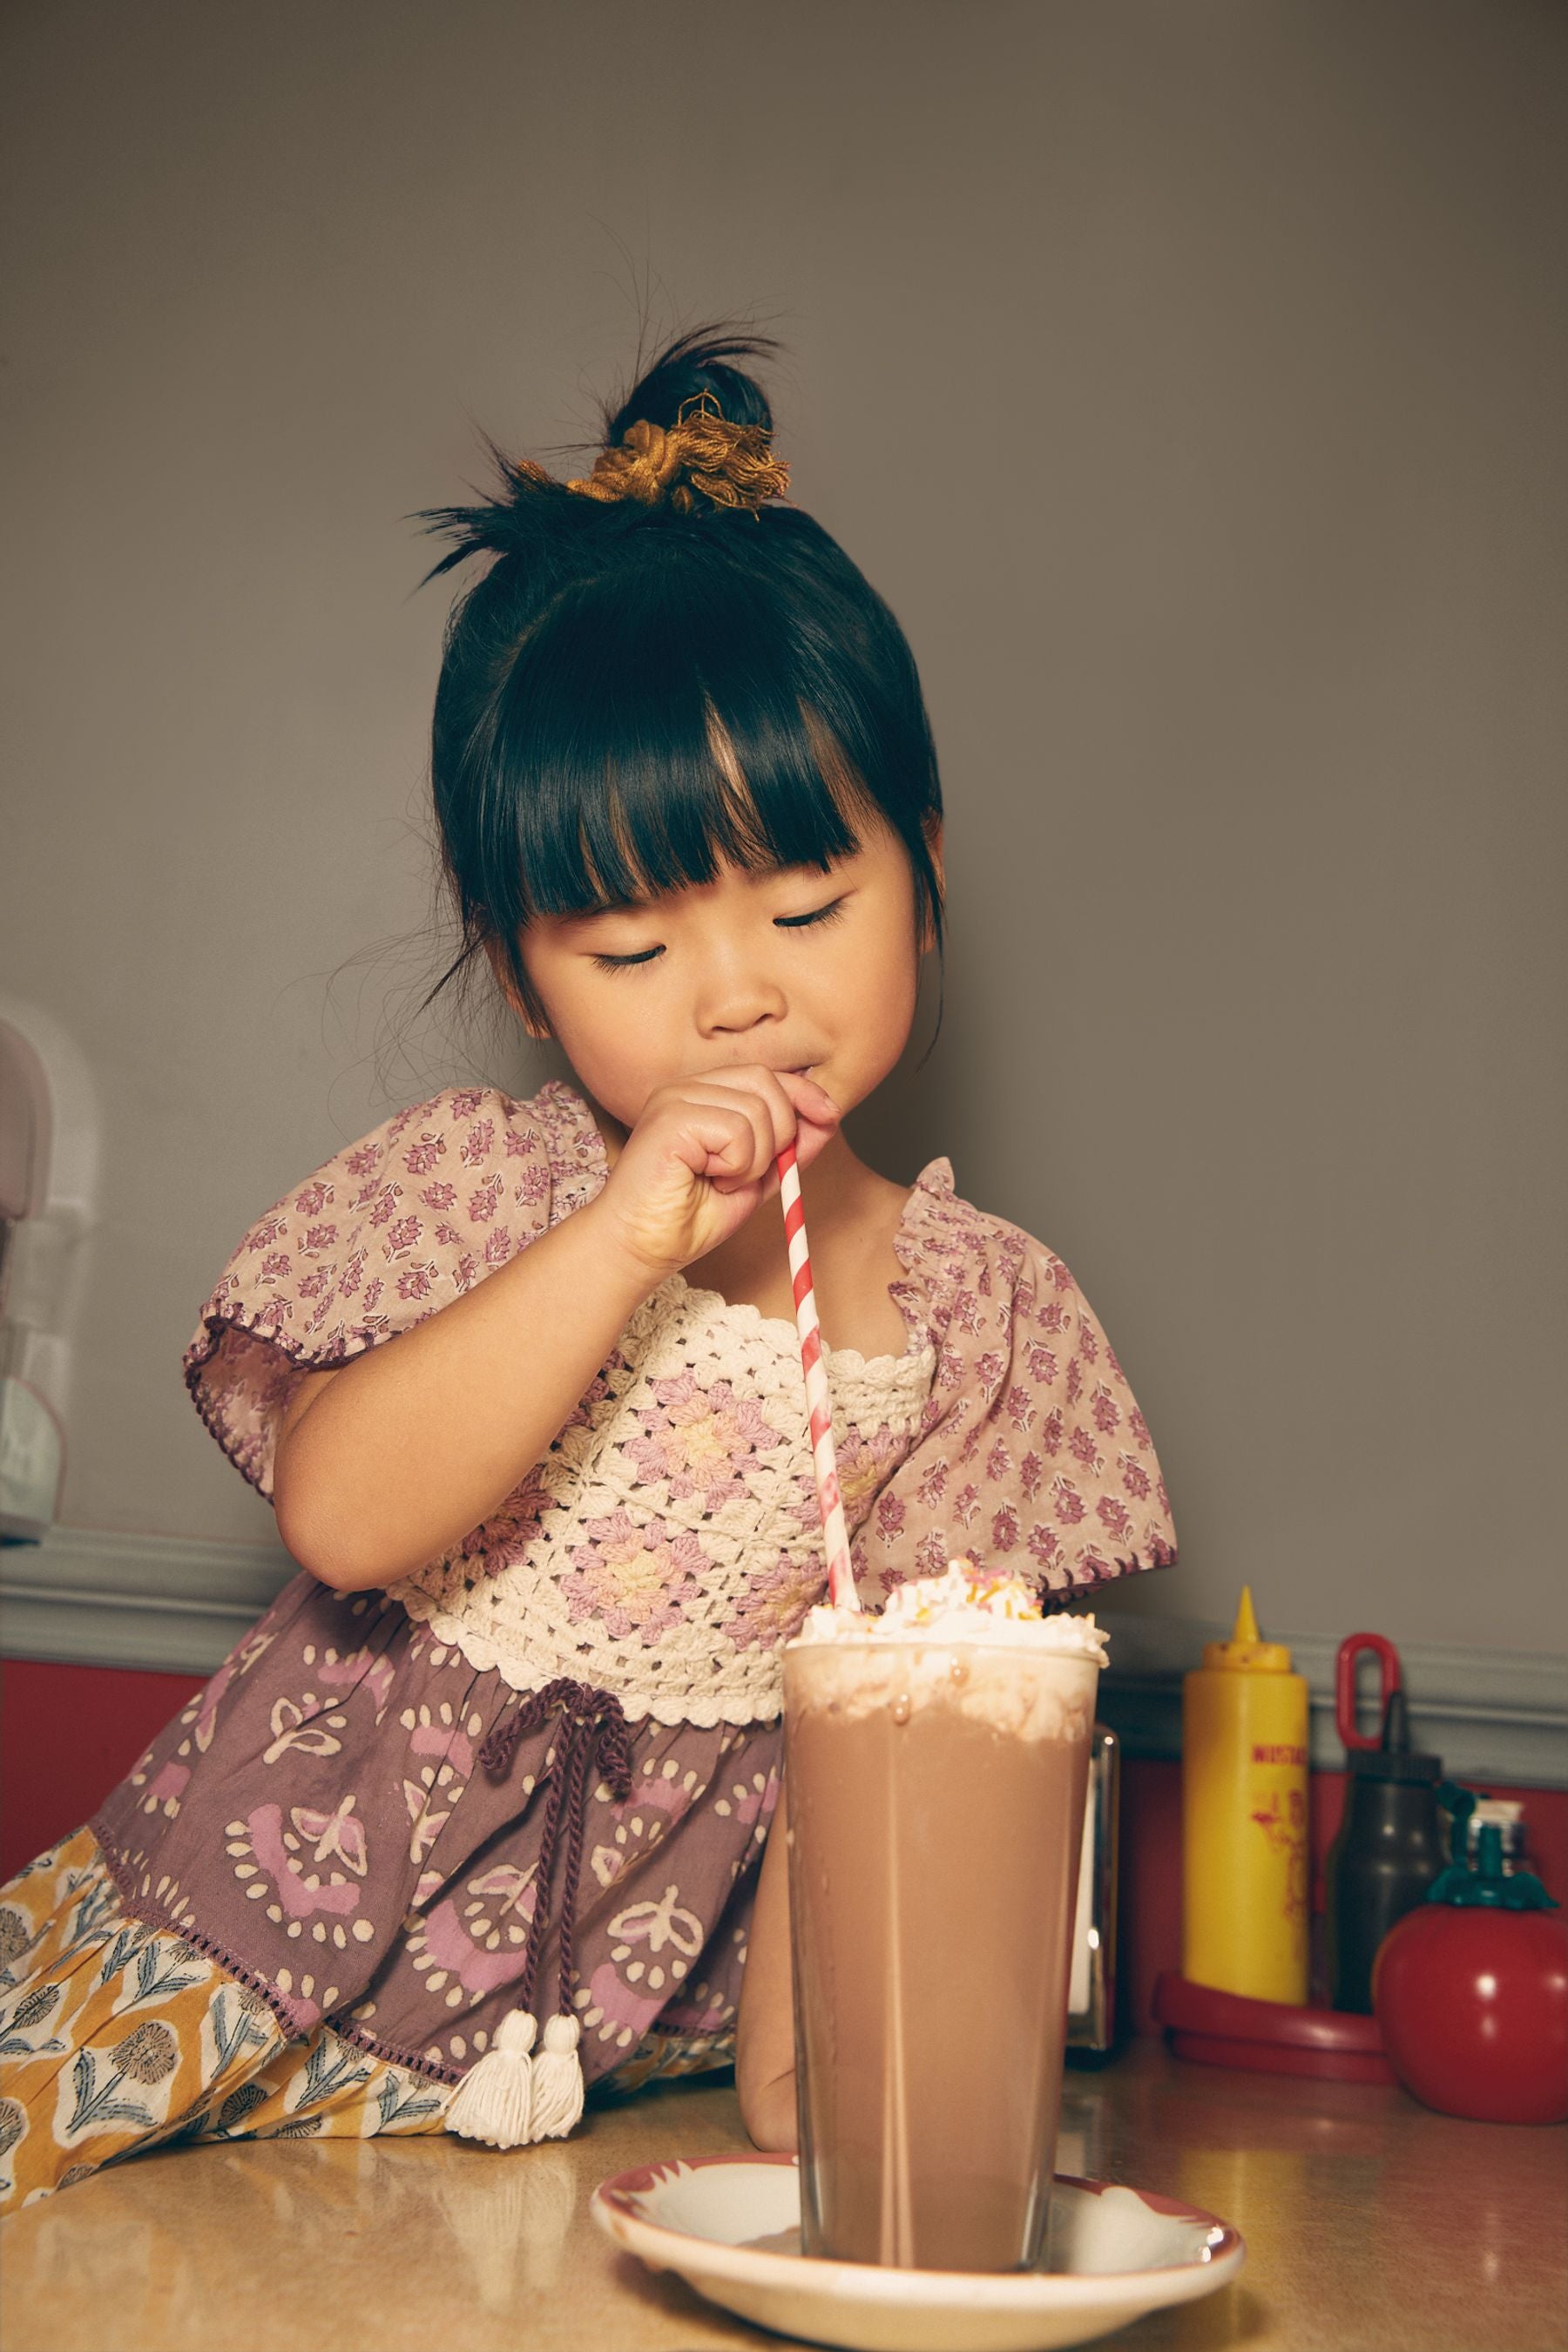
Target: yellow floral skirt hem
column 116, row 2037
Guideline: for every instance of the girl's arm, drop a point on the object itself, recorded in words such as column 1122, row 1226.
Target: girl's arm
column 385, row 1463
column 765, row 2056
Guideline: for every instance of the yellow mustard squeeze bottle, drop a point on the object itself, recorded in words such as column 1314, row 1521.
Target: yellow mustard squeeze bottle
column 1245, row 1880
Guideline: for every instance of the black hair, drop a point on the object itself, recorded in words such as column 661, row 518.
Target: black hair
column 572, row 752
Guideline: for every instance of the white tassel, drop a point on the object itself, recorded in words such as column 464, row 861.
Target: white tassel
column 557, row 2079
column 494, row 2101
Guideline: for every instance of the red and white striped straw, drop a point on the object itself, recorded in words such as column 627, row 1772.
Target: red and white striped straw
column 841, row 1589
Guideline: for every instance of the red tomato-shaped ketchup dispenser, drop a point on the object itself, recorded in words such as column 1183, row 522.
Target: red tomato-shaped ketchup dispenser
column 1470, row 1992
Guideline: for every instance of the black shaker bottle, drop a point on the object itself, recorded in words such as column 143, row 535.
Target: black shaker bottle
column 1389, row 1846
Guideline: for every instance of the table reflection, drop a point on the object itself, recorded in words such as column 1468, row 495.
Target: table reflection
column 1370, row 2225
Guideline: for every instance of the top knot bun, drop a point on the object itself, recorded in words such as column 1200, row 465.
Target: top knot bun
column 694, row 432
column 701, row 455
column 699, row 361
column 691, row 438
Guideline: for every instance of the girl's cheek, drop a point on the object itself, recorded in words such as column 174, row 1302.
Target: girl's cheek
column 620, row 1072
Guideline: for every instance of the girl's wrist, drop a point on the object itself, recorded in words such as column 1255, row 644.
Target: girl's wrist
column 627, row 1268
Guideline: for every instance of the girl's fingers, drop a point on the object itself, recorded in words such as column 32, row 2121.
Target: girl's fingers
column 813, row 1101
column 765, row 1101
column 818, row 1117
column 811, row 1140
column 729, row 1128
column 761, row 1101
column 736, row 1159
column 719, row 1134
column 758, row 1148
column 799, row 1109
column 725, row 1141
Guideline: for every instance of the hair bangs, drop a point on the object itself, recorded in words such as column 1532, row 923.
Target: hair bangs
column 633, row 761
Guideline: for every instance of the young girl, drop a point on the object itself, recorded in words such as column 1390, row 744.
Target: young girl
column 477, row 1810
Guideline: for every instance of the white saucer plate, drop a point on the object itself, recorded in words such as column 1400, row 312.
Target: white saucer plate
column 731, row 2226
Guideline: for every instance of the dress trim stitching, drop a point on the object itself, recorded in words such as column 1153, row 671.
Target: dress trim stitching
column 153, row 1913
column 416, row 2062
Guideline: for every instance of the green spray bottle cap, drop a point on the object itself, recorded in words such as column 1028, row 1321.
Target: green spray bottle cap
column 1486, row 1886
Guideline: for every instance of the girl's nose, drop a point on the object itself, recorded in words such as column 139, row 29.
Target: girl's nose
column 736, row 1000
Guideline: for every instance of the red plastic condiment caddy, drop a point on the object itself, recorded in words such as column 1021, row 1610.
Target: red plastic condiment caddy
column 1268, row 2037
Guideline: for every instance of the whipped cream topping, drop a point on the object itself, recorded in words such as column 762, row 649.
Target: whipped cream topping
column 962, row 1605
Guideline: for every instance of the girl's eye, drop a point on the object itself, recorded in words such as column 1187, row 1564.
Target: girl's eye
column 819, row 915
column 828, row 914
column 626, row 963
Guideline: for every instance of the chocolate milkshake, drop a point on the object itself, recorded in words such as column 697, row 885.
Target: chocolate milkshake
column 937, row 1759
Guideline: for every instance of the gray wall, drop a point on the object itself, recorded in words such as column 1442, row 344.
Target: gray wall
column 1189, row 378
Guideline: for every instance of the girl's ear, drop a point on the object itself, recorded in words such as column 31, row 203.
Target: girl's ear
column 507, row 984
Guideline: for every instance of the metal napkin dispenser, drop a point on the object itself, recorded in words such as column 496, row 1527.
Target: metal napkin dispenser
column 1091, row 1990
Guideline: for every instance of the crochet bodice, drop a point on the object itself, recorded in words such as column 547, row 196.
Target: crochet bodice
column 670, row 1542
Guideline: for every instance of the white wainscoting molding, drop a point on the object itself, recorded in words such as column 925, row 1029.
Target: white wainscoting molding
column 177, row 1606
column 89, row 1599
column 1490, row 1715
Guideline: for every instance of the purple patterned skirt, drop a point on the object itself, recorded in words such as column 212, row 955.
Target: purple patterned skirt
column 360, row 1825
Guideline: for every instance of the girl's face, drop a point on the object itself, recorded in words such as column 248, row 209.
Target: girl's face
column 794, row 969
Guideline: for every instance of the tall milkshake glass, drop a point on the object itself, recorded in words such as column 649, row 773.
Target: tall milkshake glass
column 936, row 1764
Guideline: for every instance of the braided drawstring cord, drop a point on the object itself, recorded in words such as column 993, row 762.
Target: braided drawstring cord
column 510, row 2096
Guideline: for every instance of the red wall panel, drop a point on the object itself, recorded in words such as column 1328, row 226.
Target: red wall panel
column 67, row 1735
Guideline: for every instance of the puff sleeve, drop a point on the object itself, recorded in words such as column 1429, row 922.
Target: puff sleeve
column 1032, row 1456
column 389, row 1230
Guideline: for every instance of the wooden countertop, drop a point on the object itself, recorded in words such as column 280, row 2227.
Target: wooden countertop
column 1372, row 2226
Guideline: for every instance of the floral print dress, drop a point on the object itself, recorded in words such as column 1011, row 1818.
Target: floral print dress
column 313, row 1900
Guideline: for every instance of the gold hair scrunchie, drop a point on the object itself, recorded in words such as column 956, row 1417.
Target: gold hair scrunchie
column 729, row 463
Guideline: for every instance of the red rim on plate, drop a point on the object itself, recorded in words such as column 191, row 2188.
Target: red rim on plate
column 623, row 2193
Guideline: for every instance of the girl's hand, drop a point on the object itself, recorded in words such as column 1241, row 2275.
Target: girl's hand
column 701, row 1157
